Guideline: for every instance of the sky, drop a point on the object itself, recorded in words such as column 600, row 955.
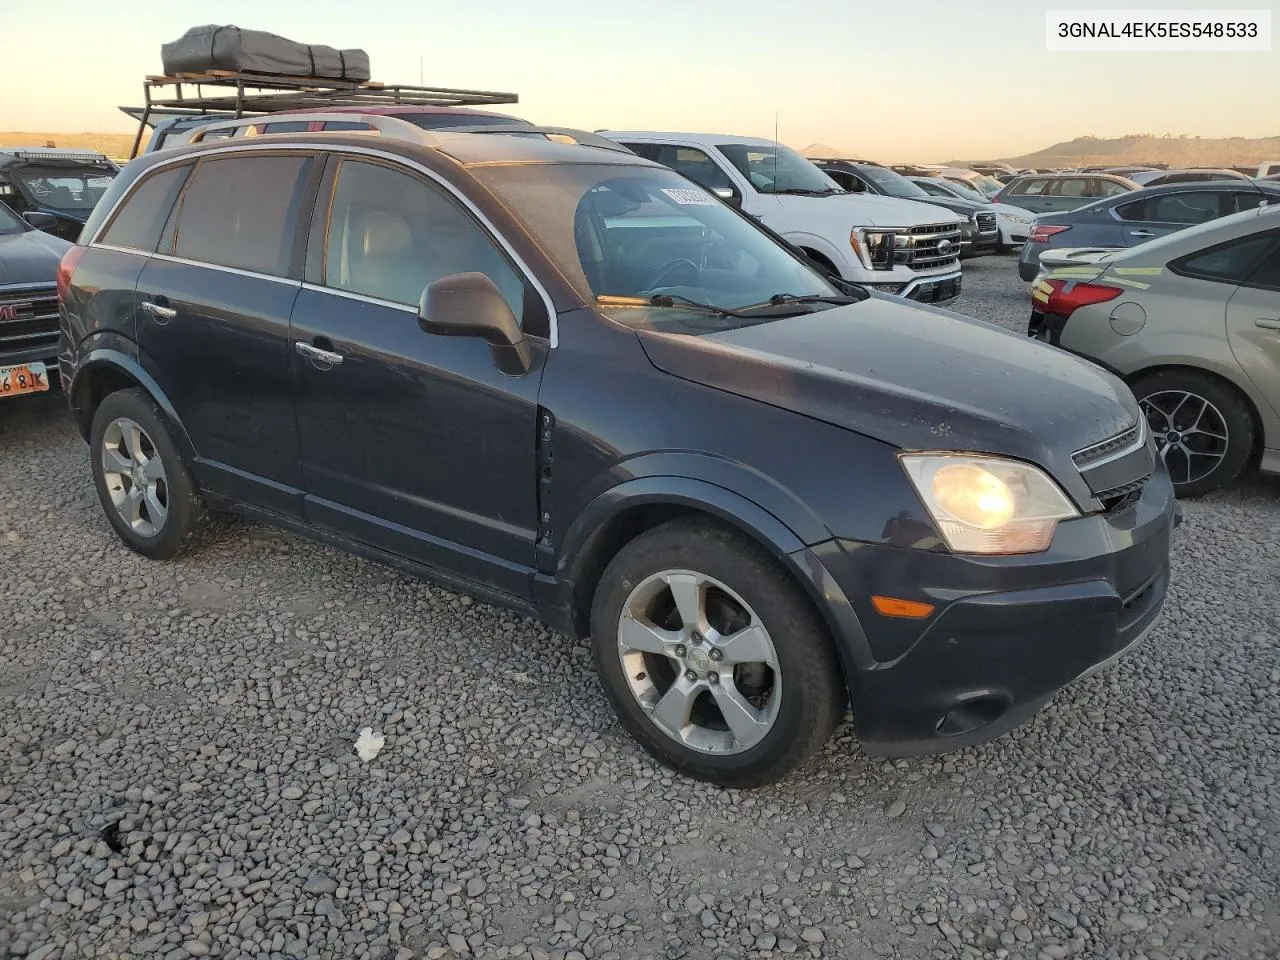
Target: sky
column 892, row 81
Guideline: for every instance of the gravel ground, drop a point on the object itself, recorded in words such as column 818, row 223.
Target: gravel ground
column 178, row 779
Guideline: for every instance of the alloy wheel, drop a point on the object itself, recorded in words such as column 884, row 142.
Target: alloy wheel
column 1191, row 433
column 135, row 477
column 699, row 662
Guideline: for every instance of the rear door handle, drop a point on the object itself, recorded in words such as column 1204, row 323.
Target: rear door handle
column 315, row 353
column 1267, row 324
column 1141, row 233
column 159, row 311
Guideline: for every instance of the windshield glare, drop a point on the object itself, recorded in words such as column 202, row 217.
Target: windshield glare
column 619, row 230
column 893, row 183
column 75, row 190
column 773, row 168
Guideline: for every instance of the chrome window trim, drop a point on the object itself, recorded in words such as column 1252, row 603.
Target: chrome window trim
column 331, row 149
column 169, row 258
column 363, row 298
column 119, row 249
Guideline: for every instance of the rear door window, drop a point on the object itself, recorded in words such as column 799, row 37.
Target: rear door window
column 695, row 164
column 1070, row 187
column 242, row 212
column 1029, row 188
column 1267, row 273
column 1109, row 188
column 141, row 219
column 1230, row 262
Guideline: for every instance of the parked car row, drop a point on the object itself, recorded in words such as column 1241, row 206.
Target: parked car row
column 578, row 383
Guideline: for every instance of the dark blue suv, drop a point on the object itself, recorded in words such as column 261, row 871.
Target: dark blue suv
column 571, row 382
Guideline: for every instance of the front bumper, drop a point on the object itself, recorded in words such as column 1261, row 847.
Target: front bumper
column 1007, row 632
column 936, row 289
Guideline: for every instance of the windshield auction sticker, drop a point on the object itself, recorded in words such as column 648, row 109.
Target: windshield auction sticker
column 689, row 198
column 1157, row 31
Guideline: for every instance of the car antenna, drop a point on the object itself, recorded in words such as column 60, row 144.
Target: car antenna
column 775, row 150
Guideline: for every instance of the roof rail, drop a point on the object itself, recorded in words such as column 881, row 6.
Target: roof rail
column 386, row 126
column 52, row 153
column 562, row 134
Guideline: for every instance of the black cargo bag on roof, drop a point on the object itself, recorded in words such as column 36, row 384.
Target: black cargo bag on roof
column 214, row 47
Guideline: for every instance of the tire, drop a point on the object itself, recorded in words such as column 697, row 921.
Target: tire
column 160, row 519
column 1215, row 409
column 798, row 700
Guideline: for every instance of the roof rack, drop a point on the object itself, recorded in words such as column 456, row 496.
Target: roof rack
column 394, row 127
column 381, row 124
column 236, row 93
column 53, row 153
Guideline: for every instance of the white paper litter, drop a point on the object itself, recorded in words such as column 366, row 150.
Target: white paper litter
column 368, row 744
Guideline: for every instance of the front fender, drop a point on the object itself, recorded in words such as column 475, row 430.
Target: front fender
column 843, row 259
column 110, row 359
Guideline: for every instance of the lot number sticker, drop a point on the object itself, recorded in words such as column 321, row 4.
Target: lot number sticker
column 688, row 197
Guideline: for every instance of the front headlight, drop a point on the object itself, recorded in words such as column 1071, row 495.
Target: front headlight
column 875, row 248
column 987, row 504
column 1014, row 218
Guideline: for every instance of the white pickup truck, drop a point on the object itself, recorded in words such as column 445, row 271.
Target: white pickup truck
column 896, row 246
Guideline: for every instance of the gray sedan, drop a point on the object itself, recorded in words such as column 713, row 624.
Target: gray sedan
column 1192, row 323
column 1135, row 217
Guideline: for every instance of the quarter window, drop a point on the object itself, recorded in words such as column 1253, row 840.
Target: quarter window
column 1267, row 273
column 140, row 221
column 241, row 212
column 391, row 235
column 1230, row 262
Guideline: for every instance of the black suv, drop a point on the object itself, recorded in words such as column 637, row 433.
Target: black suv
column 572, row 382
column 63, row 185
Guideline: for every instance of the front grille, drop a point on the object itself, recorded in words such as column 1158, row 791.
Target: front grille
column 930, row 247
column 986, row 222
column 28, row 319
column 1119, row 499
column 1083, row 459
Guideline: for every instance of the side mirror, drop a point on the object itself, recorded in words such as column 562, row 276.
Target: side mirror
column 41, row 221
column 727, row 195
column 470, row 305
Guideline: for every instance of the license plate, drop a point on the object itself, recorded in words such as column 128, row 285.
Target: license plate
column 23, row 378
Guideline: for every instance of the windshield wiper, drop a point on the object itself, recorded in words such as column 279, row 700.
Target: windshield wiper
column 671, row 299
column 807, row 192
column 780, row 298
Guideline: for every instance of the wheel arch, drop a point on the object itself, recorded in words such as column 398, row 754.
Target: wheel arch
column 1250, row 401
column 630, row 509
column 105, row 371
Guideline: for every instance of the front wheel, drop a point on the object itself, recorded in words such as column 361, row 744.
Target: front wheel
column 713, row 659
column 1203, row 428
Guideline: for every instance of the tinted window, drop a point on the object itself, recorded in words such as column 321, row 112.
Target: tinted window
column 240, row 212
column 440, row 121
column 1267, row 273
column 1070, row 187
column 349, row 124
column 1230, row 262
column 139, row 222
column 1250, row 201
column 1186, row 208
column 391, row 235
column 1029, row 188
column 650, row 151
column 694, row 164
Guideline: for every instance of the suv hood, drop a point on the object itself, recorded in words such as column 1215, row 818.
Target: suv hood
column 30, row 257
column 873, row 210
column 916, row 377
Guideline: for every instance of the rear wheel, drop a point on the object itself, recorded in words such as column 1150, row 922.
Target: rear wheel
column 714, row 660
column 1203, row 428
column 145, row 488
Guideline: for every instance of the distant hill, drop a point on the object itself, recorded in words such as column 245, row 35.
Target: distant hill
column 112, row 144
column 1182, row 151
column 820, row 151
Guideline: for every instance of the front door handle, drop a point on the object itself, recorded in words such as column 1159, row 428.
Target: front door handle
column 315, row 353
column 1266, row 323
column 159, row 311
column 1141, row 233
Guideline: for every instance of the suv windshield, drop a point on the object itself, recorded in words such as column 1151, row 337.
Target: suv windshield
column 71, row 189
column 966, row 192
column 893, row 184
column 773, row 168
column 630, row 233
